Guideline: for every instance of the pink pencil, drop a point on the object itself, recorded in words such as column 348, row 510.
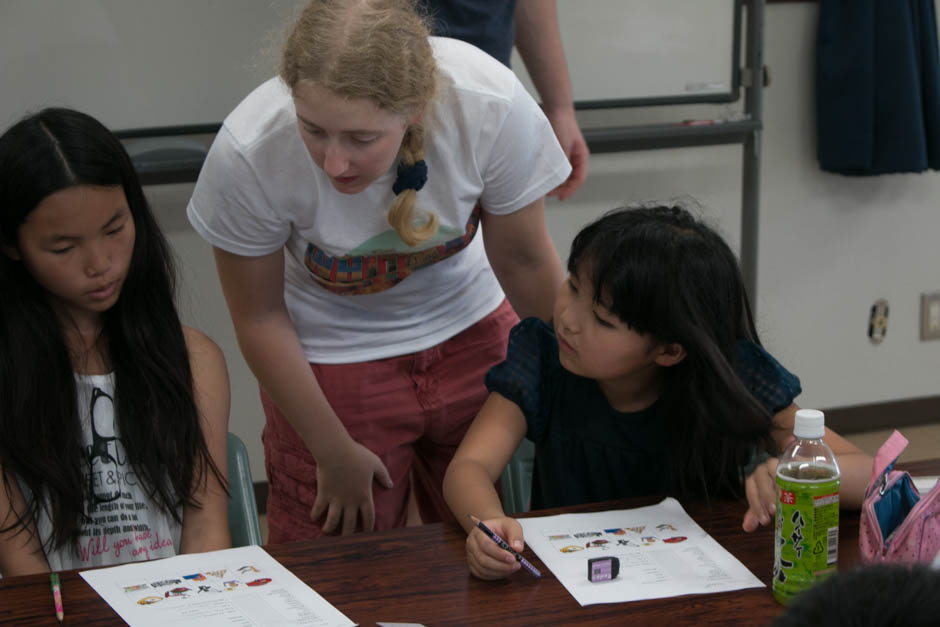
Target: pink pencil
column 57, row 596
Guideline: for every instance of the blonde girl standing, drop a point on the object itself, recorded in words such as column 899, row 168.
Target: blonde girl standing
column 371, row 210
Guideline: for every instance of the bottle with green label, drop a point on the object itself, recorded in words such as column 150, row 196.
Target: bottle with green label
column 806, row 532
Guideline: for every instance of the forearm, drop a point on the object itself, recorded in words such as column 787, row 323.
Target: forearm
column 205, row 519
column 538, row 41
column 273, row 352
column 854, row 465
column 524, row 258
column 468, row 489
column 855, row 469
column 532, row 284
column 204, row 531
column 20, row 550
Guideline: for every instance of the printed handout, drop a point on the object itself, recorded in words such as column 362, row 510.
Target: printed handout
column 242, row 586
column 662, row 553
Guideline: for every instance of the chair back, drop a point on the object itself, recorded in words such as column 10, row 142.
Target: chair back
column 243, row 522
column 516, row 480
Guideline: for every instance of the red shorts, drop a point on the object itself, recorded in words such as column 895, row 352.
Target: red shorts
column 411, row 411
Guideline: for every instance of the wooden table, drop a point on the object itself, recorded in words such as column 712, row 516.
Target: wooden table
column 419, row 575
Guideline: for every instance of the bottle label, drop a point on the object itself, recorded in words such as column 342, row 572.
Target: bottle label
column 806, row 535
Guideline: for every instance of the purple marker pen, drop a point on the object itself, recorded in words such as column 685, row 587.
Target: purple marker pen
column 505, row 546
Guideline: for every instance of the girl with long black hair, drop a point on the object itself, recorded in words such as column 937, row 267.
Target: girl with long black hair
column 113, row 416
column 651, row 380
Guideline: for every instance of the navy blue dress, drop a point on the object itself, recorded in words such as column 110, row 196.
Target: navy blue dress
column 585, row 450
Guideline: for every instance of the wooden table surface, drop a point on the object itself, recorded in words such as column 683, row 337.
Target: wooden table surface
column 419, row 575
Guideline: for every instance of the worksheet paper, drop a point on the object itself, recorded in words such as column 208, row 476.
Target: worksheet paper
column 243, row 586
column 925, row 484
column 662, row 553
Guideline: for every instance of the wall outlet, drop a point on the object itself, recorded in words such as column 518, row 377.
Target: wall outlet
column 930, row 316
column 878, row 321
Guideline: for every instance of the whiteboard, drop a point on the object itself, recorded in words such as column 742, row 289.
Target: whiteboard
column 138, row 63
column 155, row 63
column 645, row 52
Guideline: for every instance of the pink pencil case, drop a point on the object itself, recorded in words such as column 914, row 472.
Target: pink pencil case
column 897, row 524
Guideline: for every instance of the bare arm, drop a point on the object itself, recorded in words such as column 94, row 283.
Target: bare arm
column 205, row 528
column 524, row 259
column 20, row 549
column 539, row 43
column 469, row 485
column 254, row 291
column 854, row 465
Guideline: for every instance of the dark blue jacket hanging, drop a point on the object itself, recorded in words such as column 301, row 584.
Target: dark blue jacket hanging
column 878, row 86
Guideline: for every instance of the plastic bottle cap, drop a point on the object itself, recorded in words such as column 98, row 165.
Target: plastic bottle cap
column 809, row 423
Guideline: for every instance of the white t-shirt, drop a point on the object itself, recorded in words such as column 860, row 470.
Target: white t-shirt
column 349, row 287
column 126, row 526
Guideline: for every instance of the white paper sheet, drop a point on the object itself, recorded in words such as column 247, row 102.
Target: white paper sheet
column 925, row 484
column 662, row 553
column 241, row 586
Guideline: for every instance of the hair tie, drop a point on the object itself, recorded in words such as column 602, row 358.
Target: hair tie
column 413, row 177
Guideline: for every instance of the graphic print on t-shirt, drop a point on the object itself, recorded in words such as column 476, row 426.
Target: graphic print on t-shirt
column 103, row 452
column 120, row 517
column 384, row 266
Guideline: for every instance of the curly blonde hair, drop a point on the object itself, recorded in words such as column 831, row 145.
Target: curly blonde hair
column 373, row 49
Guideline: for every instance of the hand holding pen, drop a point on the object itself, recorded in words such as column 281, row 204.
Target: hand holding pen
column 486, row 567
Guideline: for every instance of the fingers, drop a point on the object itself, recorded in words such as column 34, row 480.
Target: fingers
column 367, row 509
column 572, row 142
column 486, row 560
column 343, row 519
column 579, row 161
column 563, row 191
column 751, row 517
column 578, row 156
column 319, row 507
column 333, row 518
column 368, row 516
column 381, row 475
column 750, row 521
column 350, row 515
column 761, row 491
column 514, row 534
column 345, row 491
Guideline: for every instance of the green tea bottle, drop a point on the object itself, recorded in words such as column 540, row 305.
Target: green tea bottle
column 806, row 532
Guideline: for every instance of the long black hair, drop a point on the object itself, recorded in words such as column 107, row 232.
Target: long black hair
column 668, row 275
column 41, row 441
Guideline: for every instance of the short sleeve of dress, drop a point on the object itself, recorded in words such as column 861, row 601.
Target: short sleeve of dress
column 527, row 375
column 772, row 384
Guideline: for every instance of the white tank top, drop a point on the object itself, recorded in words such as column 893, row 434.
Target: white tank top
column 125, row 525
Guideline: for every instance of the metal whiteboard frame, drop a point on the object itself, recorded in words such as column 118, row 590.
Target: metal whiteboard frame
column 652, row 101
column 746, row 132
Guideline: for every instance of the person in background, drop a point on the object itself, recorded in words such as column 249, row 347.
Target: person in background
column 371, row 209
column 650, row 380
column 113, row 415
column 493, row 26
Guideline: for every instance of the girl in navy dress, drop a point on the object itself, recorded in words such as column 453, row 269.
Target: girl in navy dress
column 650, row 380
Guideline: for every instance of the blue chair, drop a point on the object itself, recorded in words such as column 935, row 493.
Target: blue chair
column 243, row 522
column 516, row 480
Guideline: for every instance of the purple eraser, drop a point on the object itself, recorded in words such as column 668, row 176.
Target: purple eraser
column 603, row 568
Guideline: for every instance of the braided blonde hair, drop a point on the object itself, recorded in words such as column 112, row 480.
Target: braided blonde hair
column 377, row 50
